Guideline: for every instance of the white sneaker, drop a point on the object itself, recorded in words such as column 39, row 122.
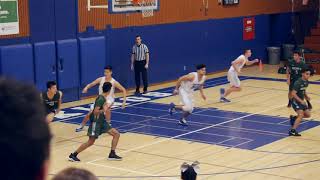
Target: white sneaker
column 183, row 122
column 79, row 129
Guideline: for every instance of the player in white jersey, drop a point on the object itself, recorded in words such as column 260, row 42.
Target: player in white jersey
column 185, row 87
column 110, row 98
column 233, row 72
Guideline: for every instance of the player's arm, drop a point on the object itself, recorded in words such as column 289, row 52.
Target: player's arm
column 124, row 93
column 288, row 75
column 188, row 77
column 90, row 85
column 202, row 93
column 99, row 105
column 59, row 102
column 296, row 97
column 248, row 63
column 83, row 122
column 85, row 119
column 147, row 61
column 107, row 107
column 235, row 63
column 147, row 57
column 97, row 110
column 307, row 96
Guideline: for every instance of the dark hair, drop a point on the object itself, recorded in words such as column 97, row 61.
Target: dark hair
column 25, row 134
column 297, row 52
column 75, row 174
column 138, row 36
column 305, row 70
column 108, row 68
column 50, row 84
column 200, row 66
column 189, row 174
column 246, row 50
column 106, row 87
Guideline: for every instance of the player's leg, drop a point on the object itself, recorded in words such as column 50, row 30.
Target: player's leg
column 83, row 122
column 82, row 147
column 302, row 112
column 50, row 117
column 187, row 107
column 115, row 139
column 290, row 97
column 234, row 86
column 107, row 112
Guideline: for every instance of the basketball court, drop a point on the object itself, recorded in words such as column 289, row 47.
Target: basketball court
column 245, row 139
column 69, row 44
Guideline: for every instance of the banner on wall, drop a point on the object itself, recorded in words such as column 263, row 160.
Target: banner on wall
column 248, row 28
column 9, row 19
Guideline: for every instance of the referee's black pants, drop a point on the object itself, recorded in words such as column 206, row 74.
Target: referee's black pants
column 140, row 69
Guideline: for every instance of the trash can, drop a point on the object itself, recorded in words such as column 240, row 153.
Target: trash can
column 287, row 51
column 274, row 55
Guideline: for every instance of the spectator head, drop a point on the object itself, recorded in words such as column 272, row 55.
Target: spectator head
column 24, row 135
column 75, row 174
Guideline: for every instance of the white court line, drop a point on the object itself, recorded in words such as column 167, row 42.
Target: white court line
column 159, row 173
column 162, row 118
column 263, row 122
column 150, row 101
column 128, row 170
column 132, row 129
column 134, row 104
column 208, row 83
column 162, row 110
column 167, row 128
column 231, row 147
column 164, row 140
column 228, row 127
column 206, row 115
column 269, row 133
column 210, row 154
column 179, row 154
column 247, row 162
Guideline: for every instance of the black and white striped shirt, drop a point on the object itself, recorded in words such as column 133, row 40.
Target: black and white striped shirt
column 140, row 52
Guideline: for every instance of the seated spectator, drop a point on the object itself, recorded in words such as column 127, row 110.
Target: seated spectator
column 189, row 172
column 75, row 174
column 24, row 135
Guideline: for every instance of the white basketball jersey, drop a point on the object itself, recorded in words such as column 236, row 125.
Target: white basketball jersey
column 239, row 66
column 190, row 86
column 103, row 80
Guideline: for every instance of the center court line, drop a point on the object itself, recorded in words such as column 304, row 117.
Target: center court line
column 174, row 137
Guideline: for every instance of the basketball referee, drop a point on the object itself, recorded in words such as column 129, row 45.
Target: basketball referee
column 140, row 64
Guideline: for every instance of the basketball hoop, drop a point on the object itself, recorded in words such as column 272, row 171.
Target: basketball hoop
column 146, row 5
column 147, row 13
